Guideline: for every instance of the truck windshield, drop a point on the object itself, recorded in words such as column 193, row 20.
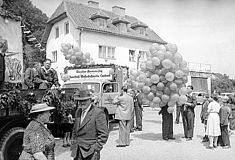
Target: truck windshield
column 95, row 87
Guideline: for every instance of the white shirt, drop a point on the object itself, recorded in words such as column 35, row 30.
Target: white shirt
column 84, row 113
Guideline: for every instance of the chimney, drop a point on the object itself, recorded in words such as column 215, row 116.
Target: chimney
column 93, row 4
column 119, row 10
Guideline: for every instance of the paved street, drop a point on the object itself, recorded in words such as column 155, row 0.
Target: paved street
column 148, row 144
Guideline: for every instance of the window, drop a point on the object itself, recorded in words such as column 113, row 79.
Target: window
column 106, row 52
column 132, row 55
column 142, row 55
column 101, row 22
column 57, row 32
column 54, row 56
column 142, row 30
column 121, row 27
column 66, row 28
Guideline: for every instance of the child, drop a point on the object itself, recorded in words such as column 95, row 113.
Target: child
column 67, row 128
column 224, row 114
column 204, row 116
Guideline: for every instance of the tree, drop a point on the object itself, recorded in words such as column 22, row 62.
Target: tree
column 222, row 83
column 35, row 21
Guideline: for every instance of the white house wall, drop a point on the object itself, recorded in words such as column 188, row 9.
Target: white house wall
column 90, row 42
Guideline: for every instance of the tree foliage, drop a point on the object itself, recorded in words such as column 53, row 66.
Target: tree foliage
column 35, row 21
column 222, row 83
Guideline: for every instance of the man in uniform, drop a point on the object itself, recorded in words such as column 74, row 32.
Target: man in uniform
column 90, row 131
column 188, row 114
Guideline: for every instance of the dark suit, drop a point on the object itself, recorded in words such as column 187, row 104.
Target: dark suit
column 188, row 116
column 224, row 114
column 167, row 123
column 89, row 137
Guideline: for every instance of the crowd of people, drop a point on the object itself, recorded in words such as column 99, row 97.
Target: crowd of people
column 89, row 131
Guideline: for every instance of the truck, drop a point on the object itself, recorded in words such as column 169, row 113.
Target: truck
column 104, row 80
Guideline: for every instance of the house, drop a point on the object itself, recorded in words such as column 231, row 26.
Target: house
column 109, row 36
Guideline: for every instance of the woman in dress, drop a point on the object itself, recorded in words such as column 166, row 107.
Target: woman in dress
column 38, row 142
column 213, row 123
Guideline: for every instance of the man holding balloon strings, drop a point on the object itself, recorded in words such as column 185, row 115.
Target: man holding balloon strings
column 188, row 114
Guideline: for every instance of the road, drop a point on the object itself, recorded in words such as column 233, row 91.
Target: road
column 148, row 144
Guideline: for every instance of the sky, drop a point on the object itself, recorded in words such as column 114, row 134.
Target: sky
column 203, row 30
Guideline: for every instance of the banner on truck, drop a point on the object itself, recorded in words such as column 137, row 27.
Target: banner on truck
column 95, row 73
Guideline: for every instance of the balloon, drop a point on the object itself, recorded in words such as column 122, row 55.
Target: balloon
column 156, row 100
column 165, row 98
column 159, row 94
column 149, row 65
column 146, row 89
column 171, row 47
column 185, row 79
column 134, row 72
column 142, row 77
column 183, row 64
column 140, row 85
column 148, row 54
column 68, row 45
column 174, row 97
column 154, row 78
column 153, row 88
column 162, row 48
column 173, row 86
column 167, row 63
column 178, row 81
column 160, row 86
column 171, row 104
column 179, row 73
column 148, row 74
column 76, row 49
column 162, row 104
column 154, row 105
column 87, row 55
column 169, row 55
column 170, row 109
column 167, row 91
column 111, row 71
column 182, row 99
column 161, row 55
column 170, row 76
column 156, row 61
column 183, row 91
column 150, row 96
column 154, row 47
column 178, row 58
column 143, row 66
column 148, row 82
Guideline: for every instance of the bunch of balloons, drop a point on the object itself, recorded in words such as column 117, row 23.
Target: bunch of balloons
column 75, row 56
column 162, row 77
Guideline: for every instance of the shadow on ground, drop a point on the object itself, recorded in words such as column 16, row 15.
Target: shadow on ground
column 157, row 137
column 154, row 121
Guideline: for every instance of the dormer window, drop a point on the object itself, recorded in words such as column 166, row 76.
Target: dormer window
column 100, row 18
column 121, row 23
column 139, row 27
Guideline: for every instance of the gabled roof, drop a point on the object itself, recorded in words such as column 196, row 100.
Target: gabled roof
column 99, row 14
column 80, row 13
column 120, row 19
column 138, row 24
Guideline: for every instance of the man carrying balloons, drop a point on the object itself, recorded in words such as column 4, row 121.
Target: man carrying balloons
column 188, row 114
column 167, row 123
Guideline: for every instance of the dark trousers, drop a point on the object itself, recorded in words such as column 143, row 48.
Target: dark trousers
column 167, row 125
column 177, row 119
column 138, row 116
column 225, row 135
column 94, row 156
column 188, row 123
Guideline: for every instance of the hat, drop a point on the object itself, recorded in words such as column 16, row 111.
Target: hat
column 82, row 95
column 40, row 108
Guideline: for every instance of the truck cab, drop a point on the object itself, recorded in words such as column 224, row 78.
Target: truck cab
column 102, row 90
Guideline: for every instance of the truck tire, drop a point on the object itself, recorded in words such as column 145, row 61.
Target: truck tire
column 11, row 144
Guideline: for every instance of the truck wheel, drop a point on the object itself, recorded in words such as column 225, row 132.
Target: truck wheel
column 11, row 144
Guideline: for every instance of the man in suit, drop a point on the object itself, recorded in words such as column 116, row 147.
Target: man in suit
column 138, row 109
column 125, row 107
column 90, row 131
column 188, row 114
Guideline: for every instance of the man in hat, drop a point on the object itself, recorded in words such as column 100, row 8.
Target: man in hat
column 90, row 131
column 125, row 107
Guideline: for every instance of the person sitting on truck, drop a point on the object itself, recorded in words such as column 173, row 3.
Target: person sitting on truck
column 31, row 76
column 47, row 76
column 38, row 142
column 3, row 49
